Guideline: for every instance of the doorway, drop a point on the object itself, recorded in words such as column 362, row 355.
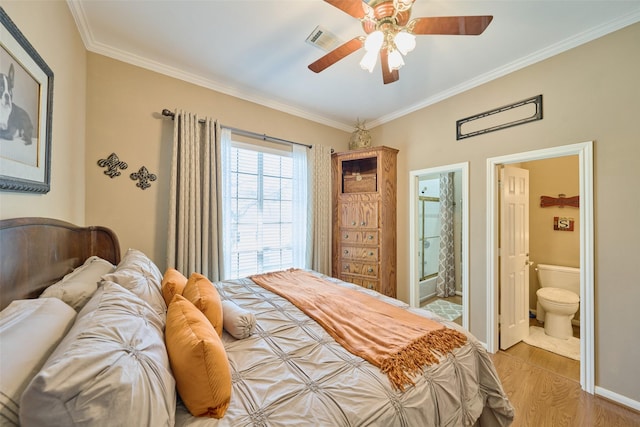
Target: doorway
column 584, row 151
column 417, row 244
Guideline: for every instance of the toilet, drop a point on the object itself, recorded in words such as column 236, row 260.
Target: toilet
column 558, row 298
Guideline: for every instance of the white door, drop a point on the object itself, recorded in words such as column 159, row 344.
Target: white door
column 514, row 256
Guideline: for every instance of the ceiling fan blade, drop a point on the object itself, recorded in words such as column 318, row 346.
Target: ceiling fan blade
column 336, row 55
column 451, row 25
column 352, row 7
column 387, row 75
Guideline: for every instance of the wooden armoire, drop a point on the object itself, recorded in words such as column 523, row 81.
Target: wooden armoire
column 364, row 218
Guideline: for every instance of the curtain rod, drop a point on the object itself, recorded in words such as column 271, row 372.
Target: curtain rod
column 242, row 132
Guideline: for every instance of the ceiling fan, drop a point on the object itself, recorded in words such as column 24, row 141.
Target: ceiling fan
column 390, row 33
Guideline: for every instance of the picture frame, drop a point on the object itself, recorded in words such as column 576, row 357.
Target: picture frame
column 26, row 107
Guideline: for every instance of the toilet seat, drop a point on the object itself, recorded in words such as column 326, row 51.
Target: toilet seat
column 558, row 296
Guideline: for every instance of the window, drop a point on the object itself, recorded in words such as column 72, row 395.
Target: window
column 260, row 208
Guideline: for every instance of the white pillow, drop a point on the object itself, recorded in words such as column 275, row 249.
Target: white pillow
column 29, row 332
column 77, row 287
column 137, row 273
column 111, row 369
column 237, row 321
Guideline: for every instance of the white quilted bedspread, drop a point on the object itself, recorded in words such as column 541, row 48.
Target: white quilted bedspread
column 290, row 372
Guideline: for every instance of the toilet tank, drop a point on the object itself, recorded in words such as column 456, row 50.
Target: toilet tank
column 558, row 276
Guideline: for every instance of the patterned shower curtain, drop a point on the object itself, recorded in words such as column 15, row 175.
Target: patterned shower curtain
column 446, row 282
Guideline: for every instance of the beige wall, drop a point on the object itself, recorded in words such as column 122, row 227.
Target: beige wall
column 123, row 117
column 551, row 177
column 50, row 29
column 590, row 93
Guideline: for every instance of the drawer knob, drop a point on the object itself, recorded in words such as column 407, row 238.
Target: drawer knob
column 353, row 223
column 370, row 286
column 346, row 267
column 346, row 252
column 370, row 236
column 363, row 223
column 370, row 270
column 370, row 253
column 346, row 236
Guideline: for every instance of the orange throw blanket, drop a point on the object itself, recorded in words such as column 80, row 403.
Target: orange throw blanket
column 397, row 341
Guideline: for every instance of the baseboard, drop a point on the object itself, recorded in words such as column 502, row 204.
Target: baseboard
column 426, row 297
column 618, row 398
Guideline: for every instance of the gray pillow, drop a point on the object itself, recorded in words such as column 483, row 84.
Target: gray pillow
column 77, row 287
column 111, row 369
column 137, row 273
column 29, row 332
column 237, row 321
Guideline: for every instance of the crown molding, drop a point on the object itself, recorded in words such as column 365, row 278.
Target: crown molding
column 92, row 45
column 523, row 62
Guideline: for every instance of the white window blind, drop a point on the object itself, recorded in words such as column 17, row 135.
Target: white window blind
column 259, row 209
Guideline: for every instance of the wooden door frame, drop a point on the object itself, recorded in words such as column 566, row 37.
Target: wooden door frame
column 584, row 151
column 414, row 298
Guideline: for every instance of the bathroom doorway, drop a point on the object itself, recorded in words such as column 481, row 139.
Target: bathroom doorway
column 438, row 231
column 585, row 216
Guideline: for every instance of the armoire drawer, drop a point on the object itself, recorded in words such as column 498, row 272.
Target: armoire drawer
column 359, row 253
column 358, row 237
column 370, row 270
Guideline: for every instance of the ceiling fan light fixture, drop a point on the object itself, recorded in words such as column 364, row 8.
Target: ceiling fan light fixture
column 405, row 42
column 374, row 41
column 372, row 45
column 369, row 60
column 395, row 60
column 390, row 33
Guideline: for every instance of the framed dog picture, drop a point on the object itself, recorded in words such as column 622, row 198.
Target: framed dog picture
column 26, row 101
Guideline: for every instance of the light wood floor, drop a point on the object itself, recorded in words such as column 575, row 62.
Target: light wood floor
column 555, row 363
column 543, row 398
column 544, row 389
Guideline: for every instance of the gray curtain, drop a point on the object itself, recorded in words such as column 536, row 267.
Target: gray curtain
column 193, row 242
column 320, row 205
column 446, row 282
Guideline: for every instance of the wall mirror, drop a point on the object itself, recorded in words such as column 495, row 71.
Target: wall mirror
column 439, row 242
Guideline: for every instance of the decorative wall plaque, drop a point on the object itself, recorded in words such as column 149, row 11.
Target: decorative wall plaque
column 112, row 163
column 518, row 113
column 561, row 201
column 143, row 176
column 563, row 223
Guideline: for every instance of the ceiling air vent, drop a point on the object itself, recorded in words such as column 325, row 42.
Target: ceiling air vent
column 323, row 39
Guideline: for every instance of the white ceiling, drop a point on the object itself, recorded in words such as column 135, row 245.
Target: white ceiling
column 256, row 50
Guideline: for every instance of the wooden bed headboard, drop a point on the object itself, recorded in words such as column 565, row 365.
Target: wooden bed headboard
column 37, row 252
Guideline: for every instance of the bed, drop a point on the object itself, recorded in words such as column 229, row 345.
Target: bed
column 113, row 359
